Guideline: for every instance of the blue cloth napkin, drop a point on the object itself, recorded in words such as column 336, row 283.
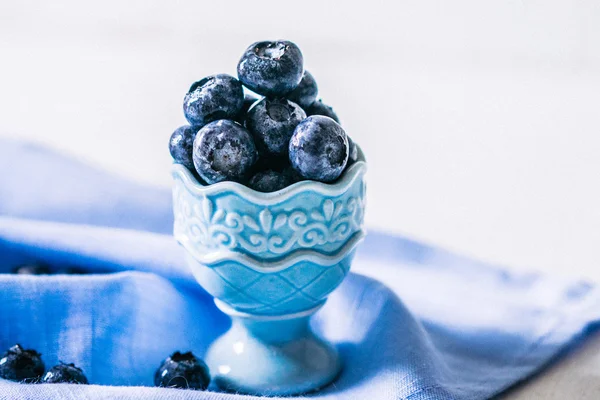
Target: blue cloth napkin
column 427, row 324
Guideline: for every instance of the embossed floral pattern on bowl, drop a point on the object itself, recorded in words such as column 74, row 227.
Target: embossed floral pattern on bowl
column 214, row 221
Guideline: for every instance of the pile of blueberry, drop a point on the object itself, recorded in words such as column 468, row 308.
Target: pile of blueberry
column 180, row 370
column 269, row 142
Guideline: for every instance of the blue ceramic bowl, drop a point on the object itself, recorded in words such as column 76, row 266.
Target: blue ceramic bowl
column 270, row 253
column 270, row 260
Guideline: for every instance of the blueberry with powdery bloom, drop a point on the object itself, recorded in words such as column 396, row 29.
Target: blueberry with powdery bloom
column 272, row 123
column 271, row 68
column 65, row 373
column 20, row 365
column 319, row 149
column 212, row 98
column 306, row 92
column 269, row 181
column 320, row 108
column 184, row 371
column 181, row 145
column 223, row 151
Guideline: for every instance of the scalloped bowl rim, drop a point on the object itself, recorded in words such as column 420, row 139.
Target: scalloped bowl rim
column 329, row 189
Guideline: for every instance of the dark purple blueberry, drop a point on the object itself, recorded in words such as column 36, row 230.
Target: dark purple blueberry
column 65, row 373
column 271, row 68
column 20, row 365
column 306, row 92
column 320, row 108
column 32, row 269
column 269, row 181
column 319, row 149
column 181, row 145
column 223, row 151
column 184, row 371
column 352, row 151
column 249, row 100
column 272, row 123
column 214, row 97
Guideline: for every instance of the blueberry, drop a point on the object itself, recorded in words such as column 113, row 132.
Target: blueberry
column 214, row 97
column 21, row 365
column 223, row 150
column 320, row 108
column 272, row 123
column 319, row 149
column 293, row 175
column 271, row 68
column 181, row 145
column 249, row 100
column 352, row 151
column 184, row 371
column 275, row 163
column 65, row 373
column 32, row 269
column 270, row 181
column 306, row 92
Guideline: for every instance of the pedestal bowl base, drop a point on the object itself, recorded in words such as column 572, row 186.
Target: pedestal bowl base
column 271, row 355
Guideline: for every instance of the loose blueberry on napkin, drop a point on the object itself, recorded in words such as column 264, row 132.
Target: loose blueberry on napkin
column 18, row 364
column 26, row 366
column 266, row 143
column 183, row 371
column 65, row 373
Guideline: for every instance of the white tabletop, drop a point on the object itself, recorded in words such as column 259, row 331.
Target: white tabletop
column 480, row 120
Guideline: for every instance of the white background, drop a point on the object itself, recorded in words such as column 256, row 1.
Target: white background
column 480, row 119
